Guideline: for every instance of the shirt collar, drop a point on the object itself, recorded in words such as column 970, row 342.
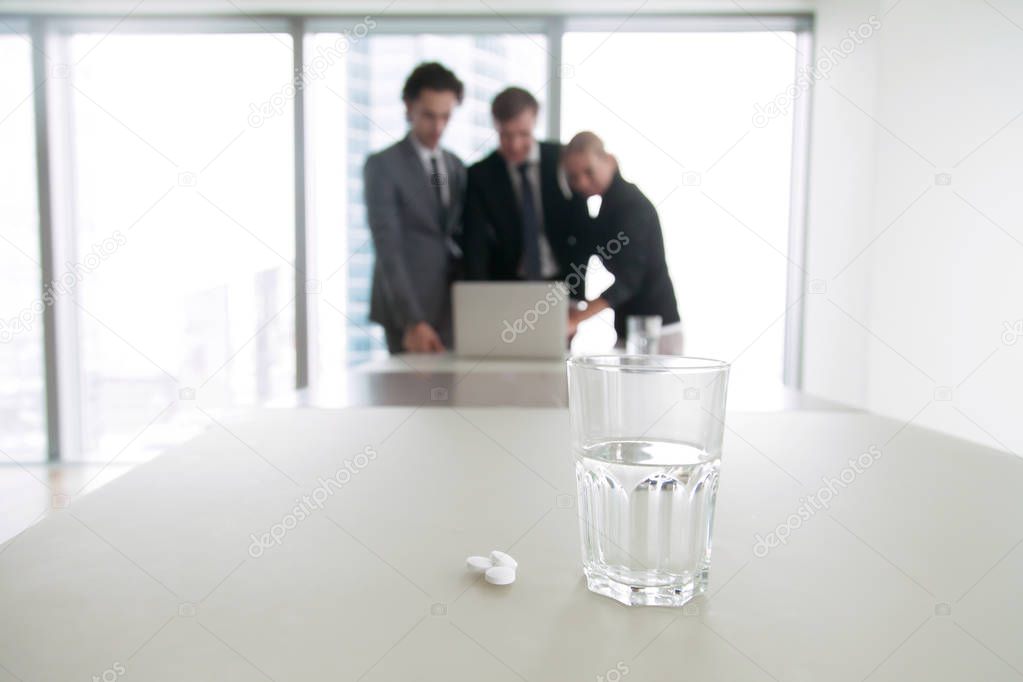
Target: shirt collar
column 532, row 158
column 534, row 153
column 424, row 153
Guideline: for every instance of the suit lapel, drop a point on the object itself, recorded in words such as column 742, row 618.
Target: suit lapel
column 504, row 196
column 417, row 182
column 551, row 191
column 456, row 190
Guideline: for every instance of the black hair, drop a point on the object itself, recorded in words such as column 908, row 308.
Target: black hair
column 431, row 76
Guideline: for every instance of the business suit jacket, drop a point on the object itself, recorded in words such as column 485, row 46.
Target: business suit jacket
column 492, row 236
column 416, row 256
column 626, row 235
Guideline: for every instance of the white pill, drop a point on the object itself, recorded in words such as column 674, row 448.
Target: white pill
column 501, row 559
column 478, row 564
column 500, row 575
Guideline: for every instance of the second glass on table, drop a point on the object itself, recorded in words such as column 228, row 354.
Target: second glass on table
column 642, row 333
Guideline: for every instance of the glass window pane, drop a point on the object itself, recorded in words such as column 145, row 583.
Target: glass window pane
column 22, row 385
column 677, row 109
column 183, row 229
column 354, row 109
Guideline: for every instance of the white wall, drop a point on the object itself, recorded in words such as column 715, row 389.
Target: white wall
column 948, row 275
column 841, row 200
column 941, row 274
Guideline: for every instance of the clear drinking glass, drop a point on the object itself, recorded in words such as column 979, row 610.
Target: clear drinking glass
column 646, row 434
column 642, row 333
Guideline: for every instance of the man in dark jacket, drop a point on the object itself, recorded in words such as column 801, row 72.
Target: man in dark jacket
column 626, row 234
column 520, row 214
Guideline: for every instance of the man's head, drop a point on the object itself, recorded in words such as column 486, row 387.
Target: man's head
column 588, row 167
column 514, row 111
column 430, row 95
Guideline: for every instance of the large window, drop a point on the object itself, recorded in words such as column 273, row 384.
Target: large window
column 22, row 413
column 182, row 233
column 179, row 184
column 677, row 110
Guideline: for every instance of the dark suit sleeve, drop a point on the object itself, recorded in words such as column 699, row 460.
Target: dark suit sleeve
column 476, row 231
column 579, row 226
column 632, row 237
column 384, row 224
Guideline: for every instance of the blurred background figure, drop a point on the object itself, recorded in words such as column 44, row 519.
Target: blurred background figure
column 626, row 235
column 520, row 214
column 414, row 192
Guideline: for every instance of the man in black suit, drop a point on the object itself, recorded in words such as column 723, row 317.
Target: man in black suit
column 626, row 234
column 520, row 215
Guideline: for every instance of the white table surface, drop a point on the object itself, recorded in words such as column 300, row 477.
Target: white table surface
column 913, row 573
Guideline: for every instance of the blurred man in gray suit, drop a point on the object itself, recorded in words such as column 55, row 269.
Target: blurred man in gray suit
column 414, row 192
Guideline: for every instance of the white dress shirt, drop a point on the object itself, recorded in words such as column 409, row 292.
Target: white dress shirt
column 548, row 266
column 426, row 156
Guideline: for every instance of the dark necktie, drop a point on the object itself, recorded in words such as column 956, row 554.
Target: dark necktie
column 436, row 179
column 530, row 229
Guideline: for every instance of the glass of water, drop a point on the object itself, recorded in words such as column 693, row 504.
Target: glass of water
column 646, row 434
column 642, row 333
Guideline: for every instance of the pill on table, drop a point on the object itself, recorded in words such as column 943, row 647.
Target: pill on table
column 500, row 575
column 478, row 564
column 501, row 559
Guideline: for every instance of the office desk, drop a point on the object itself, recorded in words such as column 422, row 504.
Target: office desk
column 444, row 379
column 912, row 572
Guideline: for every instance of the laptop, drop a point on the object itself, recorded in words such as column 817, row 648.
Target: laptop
column 510, row 319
